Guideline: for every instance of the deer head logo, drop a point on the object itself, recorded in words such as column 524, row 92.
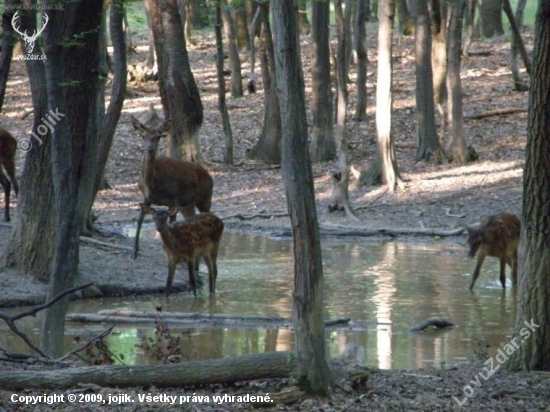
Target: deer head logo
column 29, row 40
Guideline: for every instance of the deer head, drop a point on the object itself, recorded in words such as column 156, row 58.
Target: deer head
column 29, row 40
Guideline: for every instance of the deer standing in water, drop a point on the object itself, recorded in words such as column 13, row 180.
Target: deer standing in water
column 187, row 241
column 497, row 236
column 170, row 182
column 8, row 147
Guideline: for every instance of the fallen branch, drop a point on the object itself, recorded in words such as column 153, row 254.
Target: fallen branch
column 392, row 232
column 10, row 319
column 96, row 242
column 240, row 216
column 198, row 320
column 491, row 113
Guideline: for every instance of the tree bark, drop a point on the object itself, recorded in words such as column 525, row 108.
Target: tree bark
column 313, row 373
column 438, row 15
column 322, row 146
column 73, row 144
column 491, row 17
column 385, row 167
column 519, row 84
column 225, row 370
column 454, row 86
column 428, row 143
column 517, row 42
column 108, row 119
column 9, row 39
column 178, row 90
column 234, row 59
column 228, row 153
column 471, row 6
column 534, row 282
column 362, row 60
column 268, row 147
column 30, row 249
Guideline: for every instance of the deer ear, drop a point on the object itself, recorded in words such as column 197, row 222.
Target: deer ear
column 137, row 125
column 173, row 211
column 146, row 209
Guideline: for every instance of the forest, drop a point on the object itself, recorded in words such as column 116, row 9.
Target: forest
column 354, row 120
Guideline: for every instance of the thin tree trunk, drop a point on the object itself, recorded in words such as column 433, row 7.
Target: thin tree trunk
column 234, row 59
column 313, row 373
column 470, row 19
column 322, row 146
column 517, row 41
column 454, row 85
column 9, row 38
column 520, row 85
column 362, row 60
column 428, row 143
column 228, row 154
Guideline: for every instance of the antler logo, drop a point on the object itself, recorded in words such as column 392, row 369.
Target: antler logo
column 29, row 40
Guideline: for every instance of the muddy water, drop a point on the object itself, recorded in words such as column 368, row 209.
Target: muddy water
column 392, row 285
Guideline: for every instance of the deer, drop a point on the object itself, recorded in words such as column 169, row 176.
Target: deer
column 164, row 181
column 8, row 147
column 187, row 241
column 496, row 236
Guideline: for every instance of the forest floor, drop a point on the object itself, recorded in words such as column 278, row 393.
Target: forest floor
column 250, row 197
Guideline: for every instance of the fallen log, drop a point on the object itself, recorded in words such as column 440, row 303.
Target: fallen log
column 199, row 320
column 225, row 370
column 392, row 232
column 435, row 322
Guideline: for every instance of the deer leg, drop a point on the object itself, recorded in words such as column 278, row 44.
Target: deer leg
column 190, row 269
column 515, row 268
column 7, row 189
column 138, row 231
column 170, row 279
column 480, row 259
column 9, row 165
column 211, row 274
column 503, row 272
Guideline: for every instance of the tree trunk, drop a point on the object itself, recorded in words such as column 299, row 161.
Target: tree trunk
column 268, row 147
column 313, row 373
column 225, row 370
column 30, row 249
column 534, row 282
column 361, row 51
column 151, row 55
column 108, row 120
column 73, row 144
column 177, row 85
column 303, row 22
column 384, row 169
column 439, row 62
column 228, row 154
column 469, row 25
column 241, row 26
column 491, row 16
column 516, row 44
column 519, row 84
column 322, row 146
column 9, row 39
column 234, row 59
column 454, row 85
column 428, row 143
column 406, row 21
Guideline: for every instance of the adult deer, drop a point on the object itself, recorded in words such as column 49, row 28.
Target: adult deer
column 170, row 182
column 8, row 147
column 497, row 236
column 196, row 237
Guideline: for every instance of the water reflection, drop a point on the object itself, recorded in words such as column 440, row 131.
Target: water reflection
column 394, row 285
